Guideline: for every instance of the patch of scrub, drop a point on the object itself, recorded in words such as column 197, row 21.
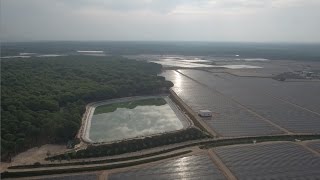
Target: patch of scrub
column 126, row 120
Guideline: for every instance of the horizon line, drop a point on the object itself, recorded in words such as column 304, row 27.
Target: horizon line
column 165, row 41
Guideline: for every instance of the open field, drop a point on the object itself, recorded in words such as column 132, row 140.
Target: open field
column 33, row 155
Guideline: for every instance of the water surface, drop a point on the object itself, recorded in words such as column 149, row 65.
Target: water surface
column 126, row 123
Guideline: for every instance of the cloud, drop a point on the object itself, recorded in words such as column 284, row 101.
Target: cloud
column 207, row 20
column 162, row 6
column 167, row 6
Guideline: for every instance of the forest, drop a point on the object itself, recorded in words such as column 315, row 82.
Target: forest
column 43, row 99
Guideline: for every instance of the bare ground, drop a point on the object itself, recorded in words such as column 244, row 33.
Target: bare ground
column 36, row 154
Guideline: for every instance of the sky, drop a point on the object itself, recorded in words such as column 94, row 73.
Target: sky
column 161, row 20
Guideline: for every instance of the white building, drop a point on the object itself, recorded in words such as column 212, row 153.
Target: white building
column 205, row 113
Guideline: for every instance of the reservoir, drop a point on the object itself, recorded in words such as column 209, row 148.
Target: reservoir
column 133, row 117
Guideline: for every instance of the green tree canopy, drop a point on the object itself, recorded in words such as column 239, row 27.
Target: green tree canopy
column 43, row 99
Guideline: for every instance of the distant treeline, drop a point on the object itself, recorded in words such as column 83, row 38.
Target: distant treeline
column 273, row 51
column 43, row 99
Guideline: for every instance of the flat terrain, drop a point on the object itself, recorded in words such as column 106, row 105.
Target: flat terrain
column 33, row 155
column 270, row 161
column 229, row 118
column 252, row 94
column 244, row 102
column 190, row 167
column 315, row 145
column 248, row 106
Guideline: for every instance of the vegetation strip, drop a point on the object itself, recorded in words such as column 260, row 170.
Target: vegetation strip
column 100, row 161
column 133, row 145
column 95, row 168
column 250, row 140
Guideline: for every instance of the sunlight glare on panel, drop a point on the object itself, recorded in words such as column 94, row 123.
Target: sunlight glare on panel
column 177, row 81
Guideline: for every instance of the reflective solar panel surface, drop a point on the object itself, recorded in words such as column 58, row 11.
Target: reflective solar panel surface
column 229, row 118
column 254, row 94
column 271, row 161
column 315, row 145
column 190, row 167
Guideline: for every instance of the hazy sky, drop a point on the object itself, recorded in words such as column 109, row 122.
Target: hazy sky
column 181, row 20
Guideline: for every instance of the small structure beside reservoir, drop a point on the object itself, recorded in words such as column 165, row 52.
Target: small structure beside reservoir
column 205, row 113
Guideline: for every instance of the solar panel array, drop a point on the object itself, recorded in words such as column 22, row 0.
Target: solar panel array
column 315, row 145
column 191, row 167
column 270, row 161
column 306, row 94
column 71, row 177
column 252, row 94
column 229, row 118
